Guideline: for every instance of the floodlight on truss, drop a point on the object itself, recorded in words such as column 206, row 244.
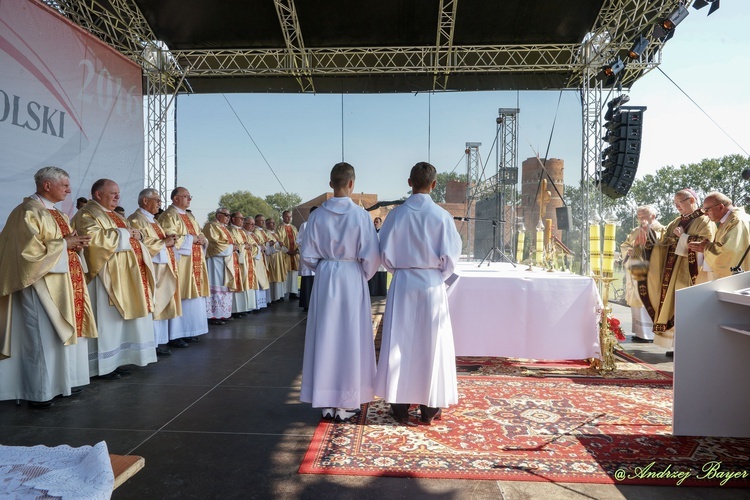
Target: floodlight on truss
column 665, row 29
column 611, row 71
column 638, row 47
column 699, row 4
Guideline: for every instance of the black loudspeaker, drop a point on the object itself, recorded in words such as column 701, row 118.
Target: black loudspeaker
column 620, row 160
column 485, row 209
column 564, row 219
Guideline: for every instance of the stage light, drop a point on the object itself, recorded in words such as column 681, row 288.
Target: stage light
column 638, row 47
column 614, row 68
column 699, row 4
column 611, row 71
column 675, row 18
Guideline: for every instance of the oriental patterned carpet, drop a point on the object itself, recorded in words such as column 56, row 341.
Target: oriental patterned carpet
column 554, row 424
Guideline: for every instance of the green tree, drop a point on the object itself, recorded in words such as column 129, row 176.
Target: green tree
column 283, row 201
column 245, row 202
column 718, row 174
column 438, row 194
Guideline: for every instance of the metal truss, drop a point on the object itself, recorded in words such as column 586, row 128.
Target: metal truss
column 297, row 56
column 121, row 24
column 474, row 179
column 156, row 133
column 507, row 173
column 444, row 42
column 384, row 60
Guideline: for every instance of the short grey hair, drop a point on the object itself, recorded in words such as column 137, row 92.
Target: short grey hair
column 50, row 173
column 648, row 208
column 147, row 193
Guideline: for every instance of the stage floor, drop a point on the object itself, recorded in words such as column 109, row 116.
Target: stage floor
column 222, row 419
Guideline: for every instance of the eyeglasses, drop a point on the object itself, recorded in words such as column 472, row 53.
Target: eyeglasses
column 706, row 209
column 222, row 213
column 184, row 196
column 157, row 200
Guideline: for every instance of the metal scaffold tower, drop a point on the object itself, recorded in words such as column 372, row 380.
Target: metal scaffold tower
column 474, row 179
column 157, row 101
column 507, row 174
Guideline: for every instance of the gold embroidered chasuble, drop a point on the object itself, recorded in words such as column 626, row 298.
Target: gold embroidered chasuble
column 31, row 244
column 219, row 240
column 288, row 237
column 167, row 302
column 275, row 262
column 655, row 233
column 261, row 272
column 669, row 272
column 729, row 244
column 128, row 280
column 246, row 259
column 192, row 270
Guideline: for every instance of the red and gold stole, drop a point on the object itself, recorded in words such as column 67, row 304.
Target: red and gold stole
column 135, row 244
column 196, row 250
column 292, row 245
column 250, row 265
column 170, row 250
column 76, row 273
column 235, row 260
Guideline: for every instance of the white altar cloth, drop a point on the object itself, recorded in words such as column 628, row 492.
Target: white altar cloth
column 499, row 310
column 59, row 472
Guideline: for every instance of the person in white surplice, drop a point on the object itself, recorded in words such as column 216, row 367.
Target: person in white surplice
column 341, row 246
column 419, row 244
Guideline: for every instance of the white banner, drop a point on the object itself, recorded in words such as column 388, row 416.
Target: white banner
column 68, row 100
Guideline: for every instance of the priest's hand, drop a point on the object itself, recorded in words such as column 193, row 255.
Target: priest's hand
column 76, row 242
column 201, row 240
column 169, row 240
column 135, row 233
column 698, row 246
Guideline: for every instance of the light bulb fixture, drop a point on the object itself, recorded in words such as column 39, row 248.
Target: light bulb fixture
column 675, row 18
column 638, row 47
column 614, row 68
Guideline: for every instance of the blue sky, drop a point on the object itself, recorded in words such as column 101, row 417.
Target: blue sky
column 300, row 136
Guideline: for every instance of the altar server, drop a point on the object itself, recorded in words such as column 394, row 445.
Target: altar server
column 341, row 246
column 419, row 244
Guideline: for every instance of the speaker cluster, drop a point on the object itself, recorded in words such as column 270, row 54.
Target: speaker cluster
column 624, row 130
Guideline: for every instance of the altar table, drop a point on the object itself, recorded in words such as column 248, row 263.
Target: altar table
column 499, row 310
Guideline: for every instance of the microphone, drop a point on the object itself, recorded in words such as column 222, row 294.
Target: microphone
column 746, row 174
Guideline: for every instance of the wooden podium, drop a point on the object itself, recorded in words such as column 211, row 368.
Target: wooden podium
column 712, row 359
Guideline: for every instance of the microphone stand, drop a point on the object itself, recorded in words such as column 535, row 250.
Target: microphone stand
column 494, row 250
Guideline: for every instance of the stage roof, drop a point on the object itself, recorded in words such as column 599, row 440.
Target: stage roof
column 374, row 46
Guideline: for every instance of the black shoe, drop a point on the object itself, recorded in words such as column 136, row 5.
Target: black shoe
column 110, row 376
column 192, row 340
column 178, row 343
column 293, row 296
column 639, row 340
column 216, row 322
column 125, row 372
column 75, row 391
column 163, row 352
column 669, row 354
column 41, row 405
column 343, row 415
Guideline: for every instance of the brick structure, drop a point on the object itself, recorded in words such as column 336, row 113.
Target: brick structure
column 529, row 208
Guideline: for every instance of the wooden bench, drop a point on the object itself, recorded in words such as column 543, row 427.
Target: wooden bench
column 125, row 467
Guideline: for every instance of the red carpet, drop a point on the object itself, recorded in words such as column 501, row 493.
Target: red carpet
column 552, row 429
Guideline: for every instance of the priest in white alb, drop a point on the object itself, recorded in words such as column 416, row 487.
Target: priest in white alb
column 121, row 284
column 44, row 304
